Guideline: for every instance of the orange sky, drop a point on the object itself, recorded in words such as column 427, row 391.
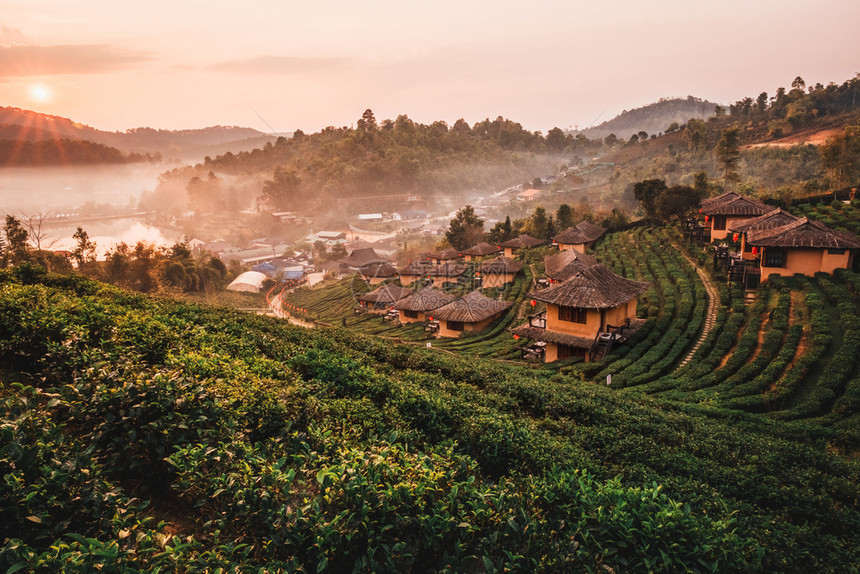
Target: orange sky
column 288, row 64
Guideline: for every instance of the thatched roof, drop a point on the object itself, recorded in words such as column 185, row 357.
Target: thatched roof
column 378, row 269
column 386, row 294
column 471, row 308
column 734, row 204
column 538, row 334
column 593, row 288
column 447, row 270
column 425, row 299
column 770, row 220
column 481, row 249
column 445, row 254
column 582, row 232
column 566, row 264
column 803, row 232
column 500, row 266
column 416, row 268
column 361, row 257
column 521, row 242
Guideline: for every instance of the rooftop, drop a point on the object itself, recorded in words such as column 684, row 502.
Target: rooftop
column 566, row 264
column 426, row 299
column 386, row 294
column 734, row 204
column 770, row 220
column 500, row 266
column 582, row 232
column 595, row 287
column 803, row 232
column 522, row 241
column 481, row 249
column 472, row 308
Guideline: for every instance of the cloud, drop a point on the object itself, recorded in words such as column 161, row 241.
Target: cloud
column 10, row 36
column 280, row 65
column 16, row 60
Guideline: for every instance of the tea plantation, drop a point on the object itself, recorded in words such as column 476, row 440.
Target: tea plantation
column 146, row 434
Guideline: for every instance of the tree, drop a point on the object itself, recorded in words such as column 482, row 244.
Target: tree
column 37, row 232
column 555, row 139
column 761, row 103
column 283, row 189
column 841, row 156
column 798, row 83
column 537, row 225
column 694, row 134
column 16, row 240
column 646, row 193
column 85, row 250
column 729, row 154
column 466, row 229
column 563, row 217
column 367, row 123
column 678, row 202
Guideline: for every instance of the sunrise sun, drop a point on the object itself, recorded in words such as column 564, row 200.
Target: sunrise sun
column 40, row 93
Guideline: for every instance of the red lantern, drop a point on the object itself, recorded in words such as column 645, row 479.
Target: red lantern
column 431, row 318
column 706, row 219
column 534, row 302
column 516, row 336
column 700, row 210
column 755, row 250
column 735, row 237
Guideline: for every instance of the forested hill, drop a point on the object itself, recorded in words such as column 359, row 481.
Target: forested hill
column 64, row 152
column 145, row 433
column 397, row 157
column 26, row 125
column 653, row 118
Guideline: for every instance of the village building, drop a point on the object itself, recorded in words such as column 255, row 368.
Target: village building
column 480, row 251
column 472, row 312
column 248, row 282
column 523, row 241
column 446, row 273
column 415, row 307
column 359, row 258
column 528, row 195
column 383, row 297
column 802, row 246
column 770, row 220
column 449, row 254
column 377, row 272
column 499, row 272
column 329, row 238
column 728, row 210
column 580, row 237
column 565, row 264
column 591, row 303
column 414, row 271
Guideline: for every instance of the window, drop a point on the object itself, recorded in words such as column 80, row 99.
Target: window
column 410, row 314
column 774, row 257
column 836, row 252
column 455, row 325
column 572, row 314
column 719, row 222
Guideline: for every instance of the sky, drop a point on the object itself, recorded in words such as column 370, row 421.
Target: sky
column 290, row 64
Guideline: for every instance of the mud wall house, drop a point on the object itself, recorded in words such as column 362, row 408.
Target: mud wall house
column 480, row 251
column 728, row 210
column 523, row 241
column 383, row 298
column 580, row 237
column 499, row 272
column 770, row 220
column 472, row 312
column 377, row 272
column 444, row 255
column 565, row 264
column 416, row 307
column 581, row 308
column 414, row 271
column 803, row 246
column 446, row 273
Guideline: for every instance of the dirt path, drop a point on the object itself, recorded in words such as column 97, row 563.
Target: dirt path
column 710, row 316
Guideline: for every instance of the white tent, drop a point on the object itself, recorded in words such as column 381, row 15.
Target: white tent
column 248, row 282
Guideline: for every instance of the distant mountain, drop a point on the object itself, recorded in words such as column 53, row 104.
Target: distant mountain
column 25, row 125
column 653, row 118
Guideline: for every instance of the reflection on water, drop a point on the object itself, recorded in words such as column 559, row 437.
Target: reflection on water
column 106, row 234
column 31, row 191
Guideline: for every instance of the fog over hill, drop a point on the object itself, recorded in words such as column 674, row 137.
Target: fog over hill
column 653, row 118
column 26, row 125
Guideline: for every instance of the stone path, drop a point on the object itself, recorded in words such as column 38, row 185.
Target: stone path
column 710, row 317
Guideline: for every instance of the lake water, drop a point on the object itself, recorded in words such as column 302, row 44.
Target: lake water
column 62, row 190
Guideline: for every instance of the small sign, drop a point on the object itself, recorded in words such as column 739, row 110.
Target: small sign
column 429, row 344
column 608, row 380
